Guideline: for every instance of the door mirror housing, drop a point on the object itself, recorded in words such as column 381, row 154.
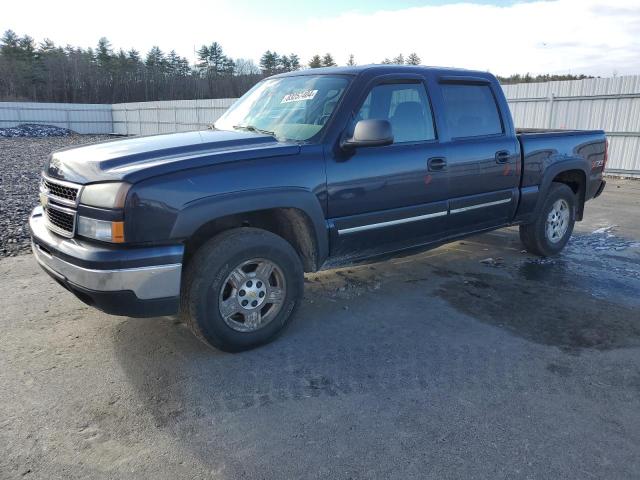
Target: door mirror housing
column 370, row 133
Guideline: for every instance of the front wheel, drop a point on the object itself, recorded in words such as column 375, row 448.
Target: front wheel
column 240, row 289
column 551, row 231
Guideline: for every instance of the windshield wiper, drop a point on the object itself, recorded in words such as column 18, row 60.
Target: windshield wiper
column 251, row 128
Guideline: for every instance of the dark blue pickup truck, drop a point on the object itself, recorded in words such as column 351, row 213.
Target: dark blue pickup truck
column 308, row 170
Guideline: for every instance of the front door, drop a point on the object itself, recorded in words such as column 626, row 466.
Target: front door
column 384, row 198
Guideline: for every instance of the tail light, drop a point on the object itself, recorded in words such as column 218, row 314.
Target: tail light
column 606, row 154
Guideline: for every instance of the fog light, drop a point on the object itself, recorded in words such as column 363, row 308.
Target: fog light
column 102, row 230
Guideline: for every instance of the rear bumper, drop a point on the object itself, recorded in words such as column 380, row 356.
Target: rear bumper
column 137, row 282
column 600, row 188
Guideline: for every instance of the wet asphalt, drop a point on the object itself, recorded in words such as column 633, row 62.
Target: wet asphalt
column 474, row 360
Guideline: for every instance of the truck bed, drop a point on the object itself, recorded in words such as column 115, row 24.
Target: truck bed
column 583, row 152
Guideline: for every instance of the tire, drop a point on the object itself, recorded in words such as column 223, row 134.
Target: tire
column 221, row 276
column 538, row 237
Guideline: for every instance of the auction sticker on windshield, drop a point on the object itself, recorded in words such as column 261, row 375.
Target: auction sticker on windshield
column 299, row 96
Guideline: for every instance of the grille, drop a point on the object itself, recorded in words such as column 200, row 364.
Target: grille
column 63, row 192
column 60, row 221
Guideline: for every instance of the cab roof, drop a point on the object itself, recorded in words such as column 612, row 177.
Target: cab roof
column 383, row 69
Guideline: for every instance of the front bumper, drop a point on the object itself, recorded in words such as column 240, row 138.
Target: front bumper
column 136, row 282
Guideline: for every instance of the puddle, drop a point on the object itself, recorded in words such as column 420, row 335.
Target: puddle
column 550, row 311
column 601, row 240
column 546, row 270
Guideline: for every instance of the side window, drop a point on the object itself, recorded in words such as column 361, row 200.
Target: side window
column 470, row 110
column 405, row 106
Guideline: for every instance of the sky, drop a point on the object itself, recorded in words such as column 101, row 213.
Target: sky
column 596, row 37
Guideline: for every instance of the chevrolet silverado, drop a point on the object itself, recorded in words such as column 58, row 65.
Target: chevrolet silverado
column 308, row 170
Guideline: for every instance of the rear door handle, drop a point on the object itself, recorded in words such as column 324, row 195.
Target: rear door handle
column 436, row 164
column 503, row 156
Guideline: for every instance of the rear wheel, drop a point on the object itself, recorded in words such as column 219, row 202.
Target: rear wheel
column 551, row 231
column 240, row 289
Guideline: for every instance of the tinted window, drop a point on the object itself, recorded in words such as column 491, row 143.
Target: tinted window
column 405, row 106
column 470, row 110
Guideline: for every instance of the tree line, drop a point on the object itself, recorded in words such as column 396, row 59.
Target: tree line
column 46, row 72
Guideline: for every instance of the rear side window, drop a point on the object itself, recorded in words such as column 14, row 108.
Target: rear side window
column 470, row 110
column 405, row 106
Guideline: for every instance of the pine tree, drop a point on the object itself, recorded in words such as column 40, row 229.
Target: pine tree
column 155, row 60
column 351, row 62
column 177, row 65
column 213, row 61
column 294, row 62
column 104, row 53
column 9, row 43
column 399, row 60
column 284, row 64
column 328, row 61
column 270, row 63
column 413, row 59
column 315, row 62
column 203, row 59
column 134, row 56
column 47, row 46
column 217, row 59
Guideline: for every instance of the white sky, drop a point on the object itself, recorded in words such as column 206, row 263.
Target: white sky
column 600, row 37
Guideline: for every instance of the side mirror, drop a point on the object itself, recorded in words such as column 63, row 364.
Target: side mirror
column 370, row 133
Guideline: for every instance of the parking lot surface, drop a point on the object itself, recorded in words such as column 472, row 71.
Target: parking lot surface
column 474, row 360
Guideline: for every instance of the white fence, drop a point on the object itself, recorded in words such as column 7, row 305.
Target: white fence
column 79, row 117
column 611, row 104
column 148, row 118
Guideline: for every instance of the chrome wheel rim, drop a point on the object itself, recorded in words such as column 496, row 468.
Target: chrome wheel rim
column 252, row 295
column 557, row 221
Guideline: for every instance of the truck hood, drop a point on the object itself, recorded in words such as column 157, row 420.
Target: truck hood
column 138, row 158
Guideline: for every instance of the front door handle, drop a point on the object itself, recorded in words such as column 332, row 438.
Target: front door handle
column 436, row 164
column 503, row 156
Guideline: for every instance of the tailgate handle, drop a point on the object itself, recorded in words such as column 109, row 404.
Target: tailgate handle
column 503, row 156
column 436, row 164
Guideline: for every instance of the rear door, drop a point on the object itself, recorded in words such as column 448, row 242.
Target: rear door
column 482, row 153
column 384, row 197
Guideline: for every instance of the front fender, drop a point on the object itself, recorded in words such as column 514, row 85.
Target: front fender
column 202, row 211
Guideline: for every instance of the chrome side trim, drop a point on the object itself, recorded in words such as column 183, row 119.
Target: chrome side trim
column 480, row 205
column 371, row 226
column 158, row 281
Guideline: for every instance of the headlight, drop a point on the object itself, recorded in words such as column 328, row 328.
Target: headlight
column 105, row 195
column 103, row 230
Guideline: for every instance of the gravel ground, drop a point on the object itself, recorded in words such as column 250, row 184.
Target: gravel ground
column 21, row 161
column 473, row 360
column 35, row 130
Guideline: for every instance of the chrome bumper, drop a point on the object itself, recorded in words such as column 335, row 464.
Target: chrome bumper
column 159, row 281
column 149, row 273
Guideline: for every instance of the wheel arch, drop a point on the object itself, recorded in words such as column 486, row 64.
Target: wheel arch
column 573, row 174
column 294, row 214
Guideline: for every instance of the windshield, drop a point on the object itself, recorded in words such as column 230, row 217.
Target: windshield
column 289, row 108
